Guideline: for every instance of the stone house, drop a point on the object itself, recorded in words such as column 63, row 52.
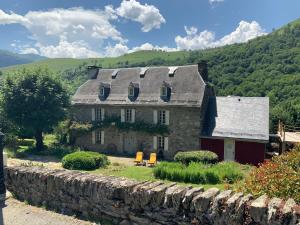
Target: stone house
column 173, row 97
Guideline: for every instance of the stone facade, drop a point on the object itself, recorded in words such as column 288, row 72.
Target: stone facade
column 184, row 125
column 131, row 202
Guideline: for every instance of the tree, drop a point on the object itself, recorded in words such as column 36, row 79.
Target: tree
column 34, row 100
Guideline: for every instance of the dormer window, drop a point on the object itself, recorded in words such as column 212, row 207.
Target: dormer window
column 104, row 91
column 165, row 92
column 133, row 91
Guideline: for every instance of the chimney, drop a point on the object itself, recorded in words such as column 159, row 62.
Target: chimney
column 202, row 69
column 93, row 71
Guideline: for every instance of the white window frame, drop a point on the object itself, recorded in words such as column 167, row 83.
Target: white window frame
column 162, row 143
column 162, row 117
column 102, row 91
column 164, row 91
column 129, row 115
column 131, row 91
column 98, row 115
column 99, row 137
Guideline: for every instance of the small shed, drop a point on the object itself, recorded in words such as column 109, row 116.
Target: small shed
column 236, row 128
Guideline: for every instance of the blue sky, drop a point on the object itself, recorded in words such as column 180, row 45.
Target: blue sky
column 97, row 28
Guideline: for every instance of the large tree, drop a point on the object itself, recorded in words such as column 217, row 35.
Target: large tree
column 34, row 100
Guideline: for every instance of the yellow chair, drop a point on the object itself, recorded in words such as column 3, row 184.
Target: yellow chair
column 139, row 158
column 153, row 159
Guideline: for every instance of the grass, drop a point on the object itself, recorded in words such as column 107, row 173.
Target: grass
column 117, row 169
column 142, row 173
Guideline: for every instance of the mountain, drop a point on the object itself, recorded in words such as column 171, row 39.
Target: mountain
column 8, row 58
column 266, row 66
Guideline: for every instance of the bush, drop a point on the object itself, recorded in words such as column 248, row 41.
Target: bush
column 206, row 157
column 276, row 178
column 199, row 173
column 26, row 142
column 84, row 160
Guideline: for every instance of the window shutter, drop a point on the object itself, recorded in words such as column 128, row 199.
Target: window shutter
column 154, row 142
column 166, row 140
column 93, row 114
column 102, row 114
column 102, row 137
column 155, row 116
column 133, row 115
column 93, row 137
column 167, row 117
column 122, row 115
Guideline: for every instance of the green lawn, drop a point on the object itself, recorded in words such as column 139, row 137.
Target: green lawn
column 140, row 173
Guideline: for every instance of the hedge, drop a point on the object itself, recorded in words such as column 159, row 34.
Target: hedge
column 205, row 157
column 84, row 160
column 198, row 173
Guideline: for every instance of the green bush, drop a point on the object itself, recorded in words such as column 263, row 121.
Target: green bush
column 26, row 142
column 84, row 160
column 278, row 177
column 206, row 157
column 199, row 173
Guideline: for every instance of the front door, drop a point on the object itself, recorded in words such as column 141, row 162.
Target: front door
column 229, row 150
column 129, row 143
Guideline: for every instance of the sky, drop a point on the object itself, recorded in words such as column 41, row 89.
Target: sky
column 98, row 28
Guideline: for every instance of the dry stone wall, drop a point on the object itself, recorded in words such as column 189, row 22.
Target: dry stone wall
column 126, row 201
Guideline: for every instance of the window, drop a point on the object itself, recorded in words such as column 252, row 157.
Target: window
column 128, row 115
column 102, row 91
column 161, row 142
column 164, row 91
column 162, row 117
column 131, row 91
column 98, row 114
column 98, row 137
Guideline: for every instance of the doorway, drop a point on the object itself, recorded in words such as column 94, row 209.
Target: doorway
column 229, row 150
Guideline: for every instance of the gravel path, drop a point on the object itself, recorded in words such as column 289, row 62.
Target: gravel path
column 19, row 213
column 54, row 163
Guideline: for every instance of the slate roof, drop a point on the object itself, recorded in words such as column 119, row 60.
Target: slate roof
column 237, row 117
column 187, row 87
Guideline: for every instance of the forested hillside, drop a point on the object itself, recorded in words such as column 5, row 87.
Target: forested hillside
column 265, row 66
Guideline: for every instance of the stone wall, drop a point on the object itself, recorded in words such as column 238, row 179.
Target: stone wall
column 144, row 203
column 184, row 128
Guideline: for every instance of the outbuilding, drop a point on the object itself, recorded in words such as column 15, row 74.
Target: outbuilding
column 237, row 128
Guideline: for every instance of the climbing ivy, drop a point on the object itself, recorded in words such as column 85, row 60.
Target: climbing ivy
column 81, row 128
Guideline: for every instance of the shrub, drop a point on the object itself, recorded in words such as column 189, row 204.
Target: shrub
column 84, row 160
column 26, row 142
column 276, row 178
column 199, row 173
column 196, row 156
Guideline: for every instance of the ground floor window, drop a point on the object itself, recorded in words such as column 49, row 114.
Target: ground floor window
column 98, row 136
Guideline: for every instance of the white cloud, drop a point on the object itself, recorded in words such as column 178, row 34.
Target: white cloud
column 214, row 1
column 117, row 50
column 206, row 39
column 148, row 15
column 244, row 32
column 11, row 18
column 65, row 49
column 77, row 29
column 29, row 51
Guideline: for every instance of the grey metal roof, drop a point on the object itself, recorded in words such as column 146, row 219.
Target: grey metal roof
column 237, row 117
column 187, row 86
